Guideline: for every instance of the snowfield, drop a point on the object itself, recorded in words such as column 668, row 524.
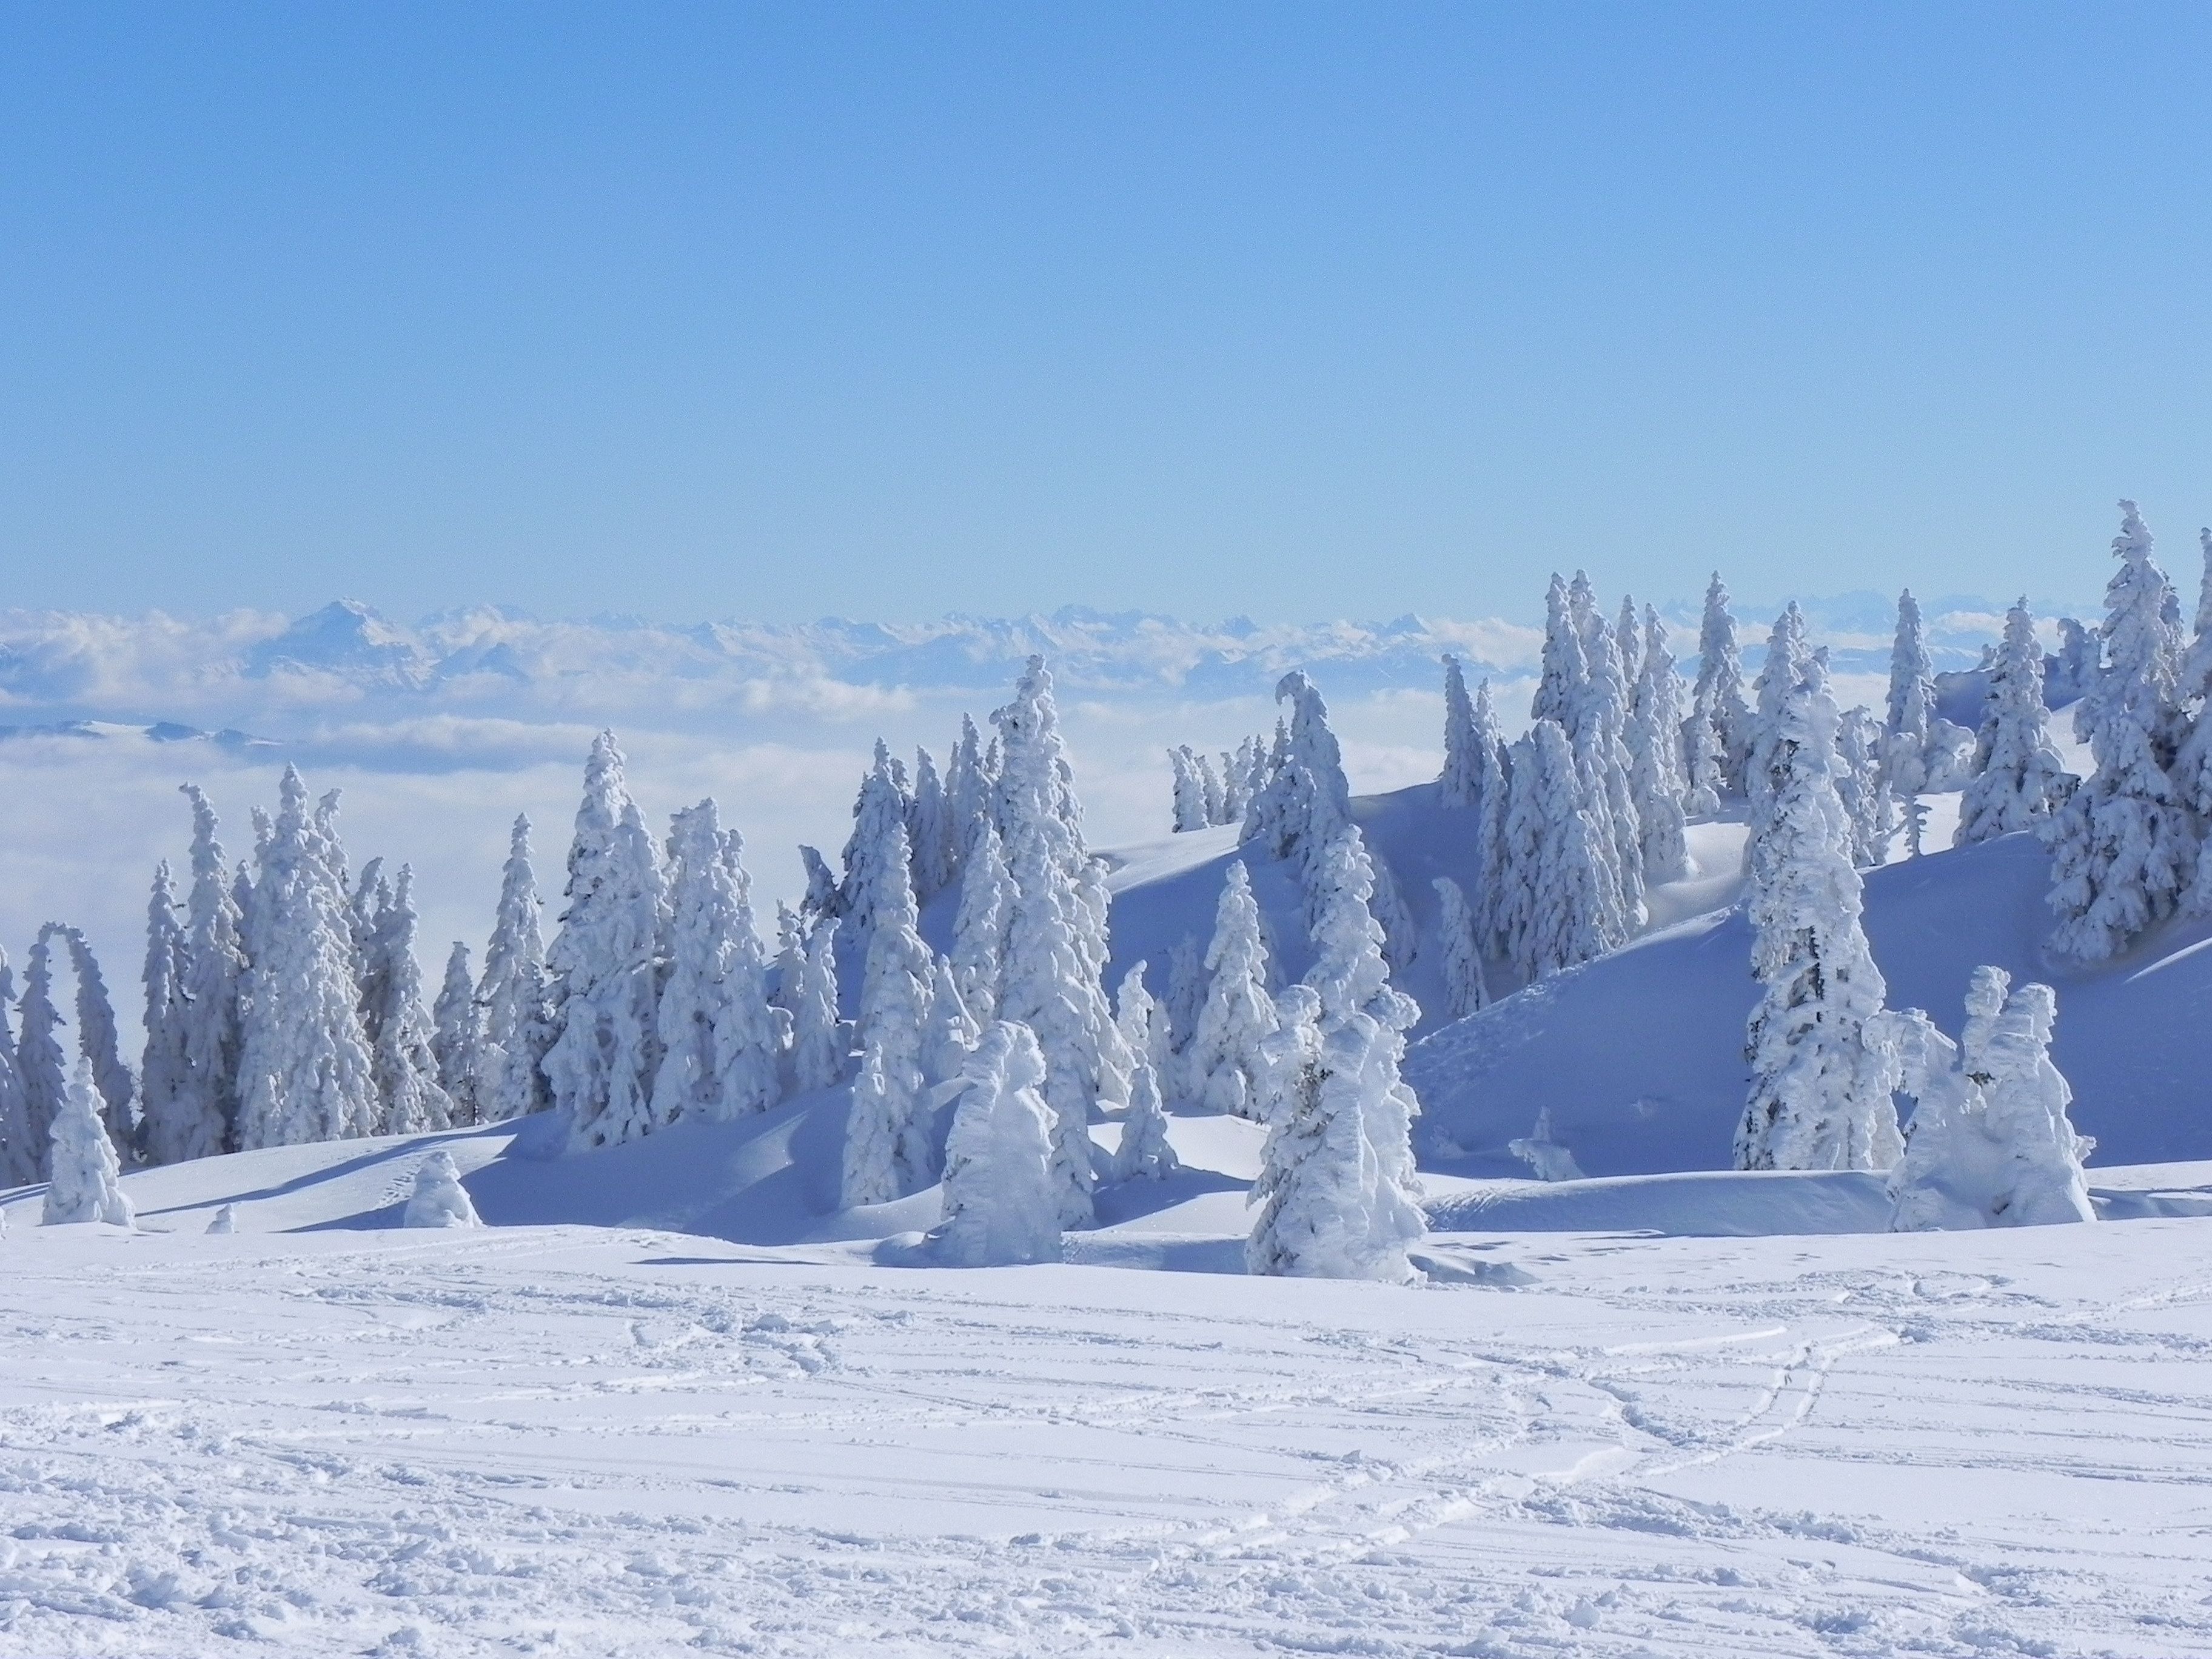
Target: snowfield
column 569, row 1440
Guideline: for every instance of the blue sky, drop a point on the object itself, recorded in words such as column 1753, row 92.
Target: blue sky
column 1299, row 311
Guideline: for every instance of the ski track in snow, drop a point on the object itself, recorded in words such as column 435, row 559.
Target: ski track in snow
column 561, row 1440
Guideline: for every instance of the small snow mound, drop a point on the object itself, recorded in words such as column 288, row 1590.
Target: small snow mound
column 440, row 1199
column 225, row 1220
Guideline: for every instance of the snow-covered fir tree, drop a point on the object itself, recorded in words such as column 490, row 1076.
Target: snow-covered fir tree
column 172, row 1130
column 870, row 883
column 1655, row 758
column 1143, row 1153
column 967, row 797
column 99, row 1042
column 1001, row 1193
column 405, row 1057
column 1143, row 1021
column 930, row 829
column 1225, row 1059
column 1464, row 984
column 1911, row 707
column 1180, row 1011
column 947, row 1041
column 869, row 1167
column 2019, row 779
column 1990, row 1144
column 1189, row 793
column 698, row 952
column 751, row 1036
column 1562, row 682
column 456, row 1035
column 2123, row 848
column 85, row 1182
column 979, row 927
column 1600, row 746
column 818, row 1045
column 1788, row 655
column 1821, row 1073
column 20, row 1158
column 603, row 1062
column 1460, row 784
column 1561, row 905
column 1718, row 699
column 1337, row 1192
column 215, row 971
column 1628, row 639
column 1862, row 785
column 1209, row 788
column 1705, row 761
column 518, row 1015
column 1494, row 877
column 40, row 1060
column 894, row 1022
column 1235, row 784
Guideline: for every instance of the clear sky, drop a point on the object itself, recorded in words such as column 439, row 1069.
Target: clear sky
column 1300, row 310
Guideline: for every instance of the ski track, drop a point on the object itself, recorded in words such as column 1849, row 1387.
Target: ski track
column 561, row 1441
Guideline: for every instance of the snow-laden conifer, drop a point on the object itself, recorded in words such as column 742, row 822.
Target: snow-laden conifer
column 870, row 885
column 438, row 1199
column 1911, row 707
column 41, row 1062
column 304, row 1067
column 1862, row 785
column 1235, row 784
column 1002, row 1195
column 1143, row 1153
column 1225, row 1059
column 1209, row 787
column 171, row 1128
column 948, row 1039
column 2123, row 847
column 1460, row 784
column 602, row 1064
column 1822, row 1070
column 85, row 1183
column 1601, row 745
column 1337, row 1192
column 1464, row 985
column 869, row 1171
column 404, row 1058
column 518, row 1014
column 1180, row 1011
column 1719, row 699
column 98, row 1042
column 979, row 927
column 929, row 829
column 699, row 952
column 2019, row 779
column 967, row 797
column 1189, row 793
column 1788, row 655
column 456, row 1035
column 1704, row 760
column 215, row 972
column 893, row 1023
column 20, row 1158
column 1990, row 1144
column 818, row 1047
column 751, row 1036
column 1142, row 1020
column 1561, row 685
column 1494, row 875
column 1655, row 764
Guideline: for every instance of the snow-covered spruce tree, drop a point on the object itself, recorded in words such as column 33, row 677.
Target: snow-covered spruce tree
column 1225, row 1061
column 2123, row 847
column 893, row 1024
column 97, row 1041
column 1460, row 784
column 1562, row 685
column 1719, row 699
column 2019, row 779
column 456, row 1035
column 1524, row 841
column 979, row 927
column 1628, row 639
column 1912, row 699
column 1494, row 875
column 1463, row 980
column 1705, row 761
column 40, row 1059
column 2027, row 1102
column 868, row 1170
column 929, row 829
column 1788, row 655
column 1655, row 760
column 85, row 1183
column 1604, row 738
column 20, row 1158
column 518, row 1015
column 438, row 1199
column 1001, row 1194
column 1821, row 1073
column 696, row 953
column 1053, row 980
column 215, row 971
column 171, row 1129
column 1862, row 785
column 821, row 900
column 818, row 1048
column 404, row 1058
column 947, row 1041
column 751, row 1036
column 1236, row 786
column 967, row 798
column 1189, row 793
column 1184, row 1003
column 602, row 1064
column 1337, row 1192
column 1209, row 787
column 1143, row 1153
column 1142, row 1020
column 868, row 884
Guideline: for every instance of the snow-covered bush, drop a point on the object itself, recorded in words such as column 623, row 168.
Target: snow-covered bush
column 85, row 1184
column 438, row 1200
column 1002, row 1200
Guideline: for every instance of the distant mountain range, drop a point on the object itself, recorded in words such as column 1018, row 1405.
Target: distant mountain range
column 273, row 672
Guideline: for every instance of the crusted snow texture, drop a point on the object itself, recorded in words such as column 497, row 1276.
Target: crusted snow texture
column 304, row 1061
column 1337, row 1192
column 1718, row 699
column 1990, row 1143
column 2019, row 780
column 1911, row 704
column 438, row 1200
column 979, row 927
column 602, row 1066
column 1821, row 1072
column 404, row 1059
column 2123, row 848
column 1001, row 1194
column 1055, row 956
column 85, row 1184
column 1463, row 978
column 214, row 976
column 893, row 1020
column 517, row 1012
column 20, row 1160
column 1655, row 754
column 1225, row 1059
column 170, row 1128
column 456, row 1035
